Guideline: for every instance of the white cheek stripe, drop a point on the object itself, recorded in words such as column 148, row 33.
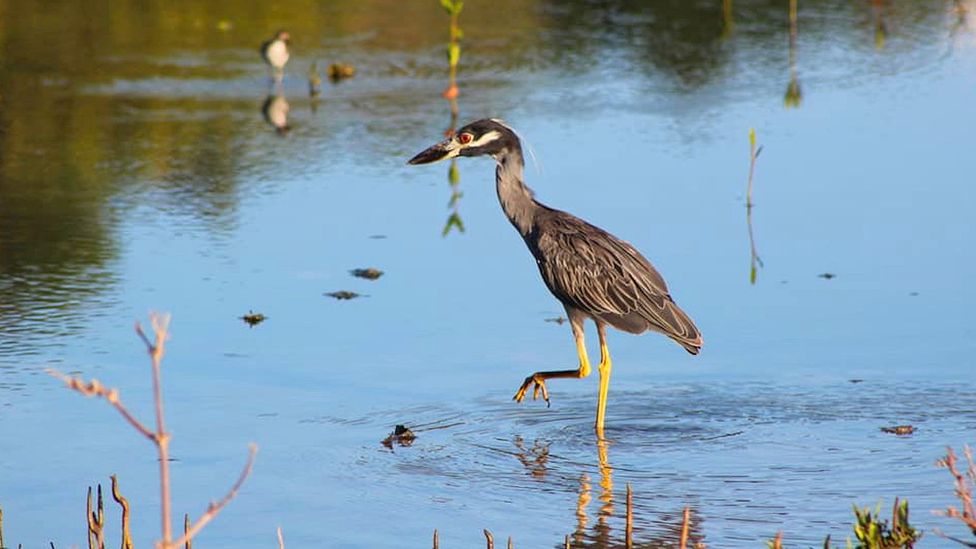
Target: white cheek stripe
column 485, row 139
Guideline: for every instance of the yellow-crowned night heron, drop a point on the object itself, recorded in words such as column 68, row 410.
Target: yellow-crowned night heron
column 593, row 273
column 275, row 53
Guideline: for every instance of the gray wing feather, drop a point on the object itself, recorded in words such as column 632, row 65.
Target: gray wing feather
column 594, row 271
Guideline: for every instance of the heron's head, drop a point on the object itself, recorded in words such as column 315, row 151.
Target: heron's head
column 489, row 136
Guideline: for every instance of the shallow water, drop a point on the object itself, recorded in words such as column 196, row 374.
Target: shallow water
column 138, row 172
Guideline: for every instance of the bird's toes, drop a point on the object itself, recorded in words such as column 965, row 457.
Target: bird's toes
column 529, row 381
column 540, row 387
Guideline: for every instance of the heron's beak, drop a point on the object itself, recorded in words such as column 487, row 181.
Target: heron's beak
column 445, row 149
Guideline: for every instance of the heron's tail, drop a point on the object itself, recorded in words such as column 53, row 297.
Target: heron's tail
column 684, row 331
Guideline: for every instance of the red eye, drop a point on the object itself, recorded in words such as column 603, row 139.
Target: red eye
column 465, row 138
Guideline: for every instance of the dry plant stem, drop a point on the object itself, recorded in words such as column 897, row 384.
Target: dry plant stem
column 96, row 521
column 778, row 541
column 215, row 507
column 124, row 503
column 186, row 528
column 629, row 530
column 88, row 519
column 156, row 349
column 281, row 539
column 490, row 539
column 101, row 519
column 95, row 388
column 685, row 526
column 509, row 542
column 566, row 544
column 1, row 529
column 436, row 541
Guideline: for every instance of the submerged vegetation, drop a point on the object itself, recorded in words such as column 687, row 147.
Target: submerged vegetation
column 754, row 260
column 453, row 9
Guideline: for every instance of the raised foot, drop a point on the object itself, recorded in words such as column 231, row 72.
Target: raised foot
column 539, row 383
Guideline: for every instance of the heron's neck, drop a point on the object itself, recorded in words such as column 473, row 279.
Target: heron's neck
column 515, row 198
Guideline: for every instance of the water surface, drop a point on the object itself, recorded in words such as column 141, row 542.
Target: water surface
column 138, row 172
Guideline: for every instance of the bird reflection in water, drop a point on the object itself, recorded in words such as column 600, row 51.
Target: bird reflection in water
column 534, row 459
column 602, row 535
column 677, row 531
column 275, row 111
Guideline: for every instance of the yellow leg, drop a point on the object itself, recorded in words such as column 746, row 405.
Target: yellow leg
column 604, row 368
column 538, row 379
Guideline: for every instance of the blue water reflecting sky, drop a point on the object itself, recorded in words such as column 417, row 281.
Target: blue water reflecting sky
column 204, row 211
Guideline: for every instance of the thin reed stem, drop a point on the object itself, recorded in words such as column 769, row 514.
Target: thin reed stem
column 124, row 503
column 629, row 529
column 156, row 349
column 685, row 527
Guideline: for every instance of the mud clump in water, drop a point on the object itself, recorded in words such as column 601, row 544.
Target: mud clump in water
column 401, row 436
column 369, row 273
column 343, row 295
column 900, row 430
column 252, row 319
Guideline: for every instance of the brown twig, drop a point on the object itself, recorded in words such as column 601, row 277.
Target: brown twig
column 436, row 541
column 510, row 542
column 156, row 350
column 1, row 529
column 124, row 503
column 186, row 528
column 101, row 519
column 160, row 437
column 281, row 539
column 685, row 526
column 96, row 521
column 490, row 539
column 629, row 525
column 88, row 512
column 95, row 388
column 215, row 507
